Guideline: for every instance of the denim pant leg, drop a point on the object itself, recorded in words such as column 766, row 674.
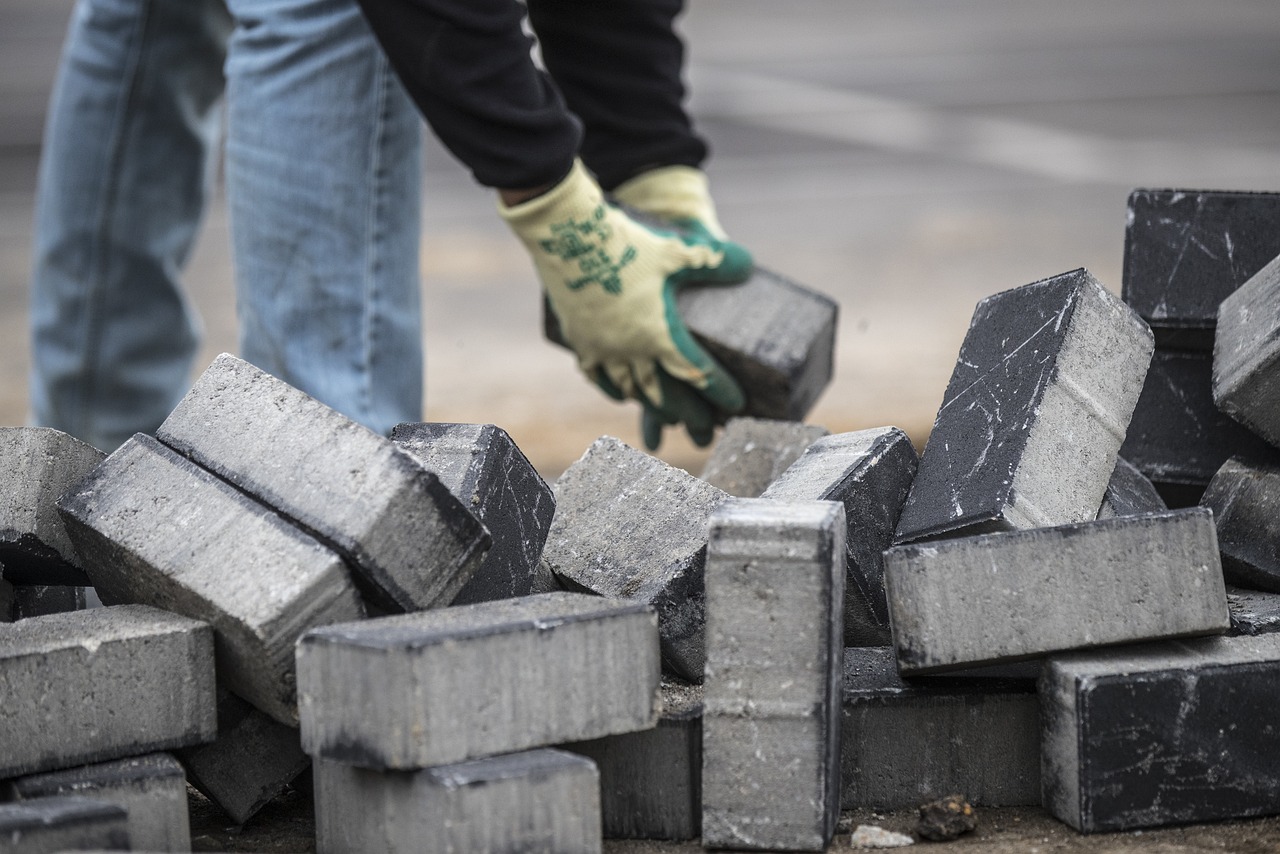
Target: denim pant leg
column 122, row 186
column 324, row 184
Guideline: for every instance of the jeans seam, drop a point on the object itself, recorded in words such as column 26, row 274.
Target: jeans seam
column 373, row 232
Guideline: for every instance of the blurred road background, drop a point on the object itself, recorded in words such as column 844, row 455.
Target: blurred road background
column 907, row 157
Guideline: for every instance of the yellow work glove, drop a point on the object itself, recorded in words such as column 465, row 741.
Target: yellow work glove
column 611, row 282
column 674, row 194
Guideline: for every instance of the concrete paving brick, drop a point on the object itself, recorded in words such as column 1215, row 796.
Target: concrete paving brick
column 771, row 704
column 153, row 527
column 411, row 542
column 252, row 760
column 870, row 473
column 752, row 452
column 1021, row 594
column 1034, row 414
column 1129, row 493
column 1246, row 354
column 1253, row 612
column 106, row 683
column 908, row 742
column 475, row 680
column 1178, row 435
column 1167, row 733
column 1245, row 501
column 483, row 468
column 51, row 825
column 651, row 780
column 775, row 336
column 545, row 801
column 628, row 525
column 152, row 789
column 1185, row 251
column 38, row 464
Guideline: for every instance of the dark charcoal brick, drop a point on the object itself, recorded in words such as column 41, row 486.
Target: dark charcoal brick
column 1186, row 251
column 1177, row 435
column 1245, row 501
column 870, row 473
column 1129, row 493
column 905, row 742
column 752, row 452
column 63, row 824
column 38, row 464
column 1035, row 412
column 485, row 470
column 38, row 601
column 1168, row 733
column 1253, row 612
column 628, row 525
column 1246, row 354
column 651, row 780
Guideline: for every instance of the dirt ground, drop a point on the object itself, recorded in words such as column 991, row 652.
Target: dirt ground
column 287, row 827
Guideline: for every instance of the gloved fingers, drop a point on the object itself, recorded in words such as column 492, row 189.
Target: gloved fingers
column 601, row 379
column 651, row 424
column 732, row 267
column 699, row 369
column 619, row 374
column 679, row 402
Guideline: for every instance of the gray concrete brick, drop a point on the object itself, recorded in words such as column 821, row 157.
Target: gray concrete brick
column 153, row 527
column 483, row 468
column 651, row 780
column 1167, row 733
column 1034, row 414
column 1245, row 501
column 752, row 452
column 38, row 464
column 1185, row 251
column 628, row 525
column 62, row 824
column 545, row 801
column 771, row 704
column 870, row 473
column 102, row 684
column 775, row 336
column 1246, row 354
column 1021, row 594
column 253, row 759
column 152, row 789
column 1129, row 493
column 412, row 543
column 475, row 680
column 1253, row 612
column 1177, row 435
column 908, row 742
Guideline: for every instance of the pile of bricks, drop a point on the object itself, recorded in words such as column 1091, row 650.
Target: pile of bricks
column 468, row 659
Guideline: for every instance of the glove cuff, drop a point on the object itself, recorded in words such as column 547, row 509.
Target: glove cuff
column 675, row 194
column 577, row 195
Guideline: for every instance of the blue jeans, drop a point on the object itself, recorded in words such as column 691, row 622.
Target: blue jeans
column 323, row 171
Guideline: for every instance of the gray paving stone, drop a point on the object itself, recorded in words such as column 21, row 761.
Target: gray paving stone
column 1186, row 251
column 152, row 789
column 752, row 452
column 1245, row 501
column 628, row 525
column 771, row 705
column 870, row 473
column 1178, row 436
column 536, row 801
column 62, row 824
column 908, row 742
column 38, row 464
column 1129, row 493
column 475, row 680
column 651, row 780
column 1034, row 414
column 483, row 468
column 253, row 759
column 1253, row 612
column 153, row 527
column 1246, row 354
column 1168, row 733
column 1021, row 594
column 106, row 683
column 412, row 543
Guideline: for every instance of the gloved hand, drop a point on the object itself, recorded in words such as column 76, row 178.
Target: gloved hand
column 611, row 282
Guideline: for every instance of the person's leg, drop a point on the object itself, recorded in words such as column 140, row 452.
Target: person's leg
column 122, row 186
column 324, row 183
column 619, row 66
